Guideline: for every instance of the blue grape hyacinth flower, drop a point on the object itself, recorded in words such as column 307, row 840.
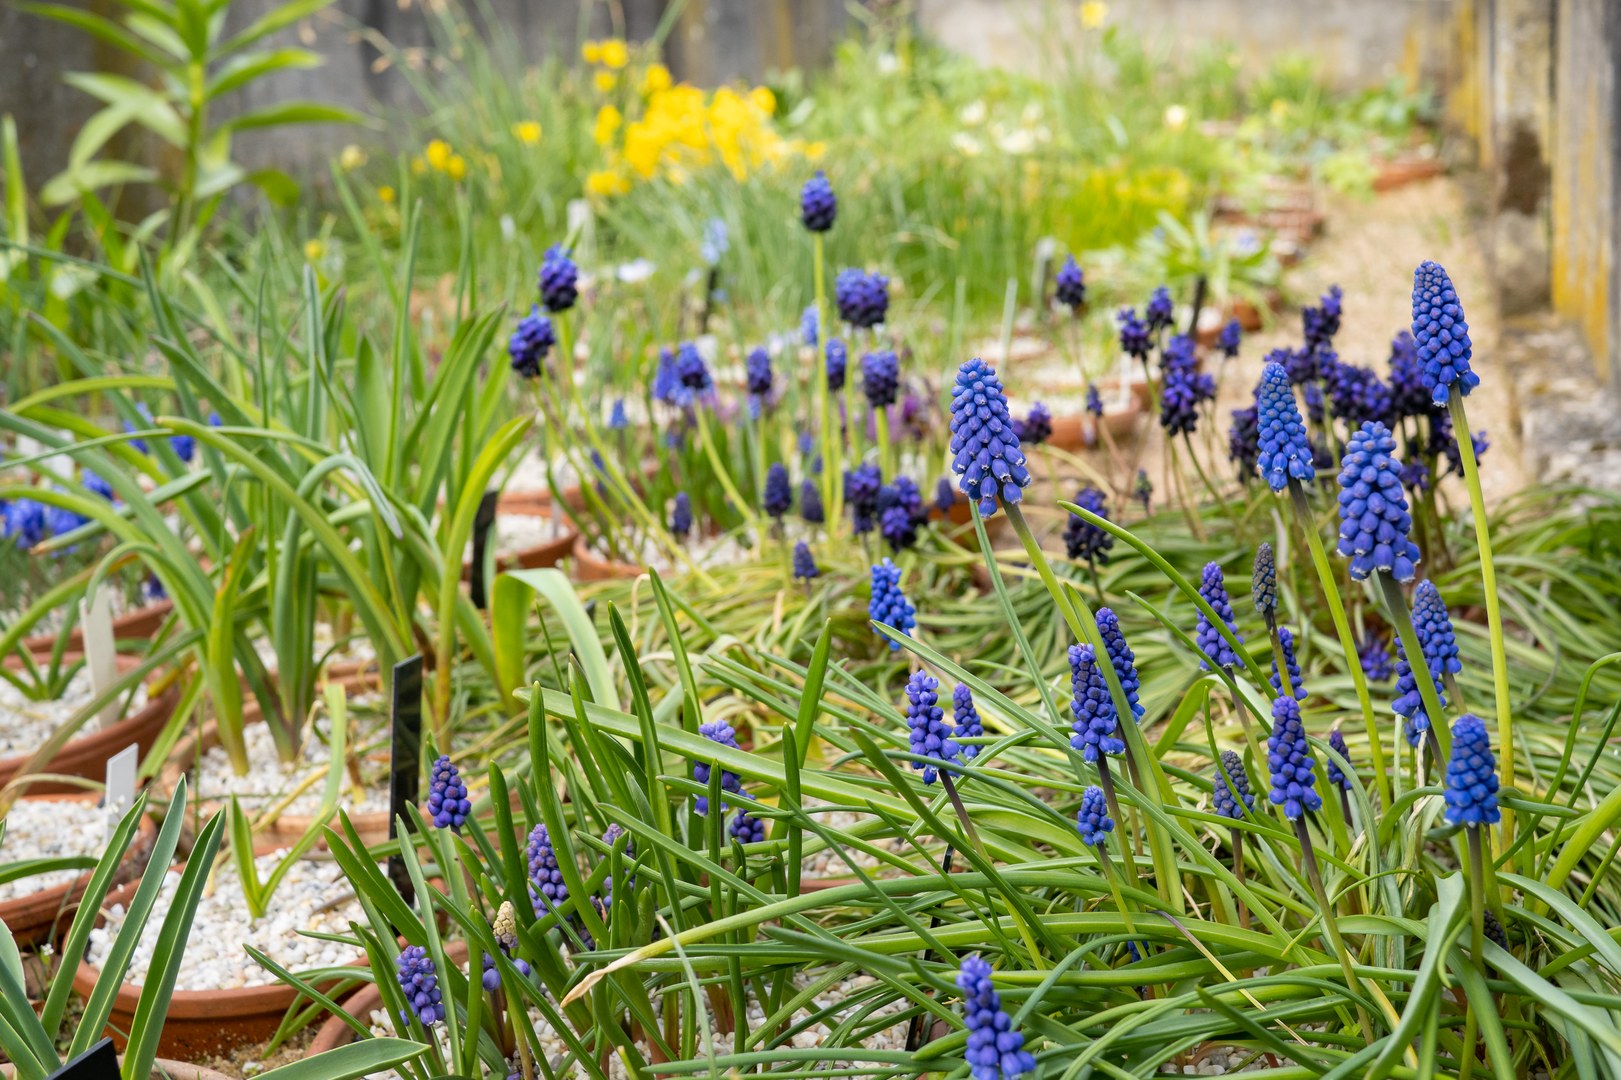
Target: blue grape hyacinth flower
column 1264, row 583
column 1409, row 702
column 805, row 567
column 1433, row 627
column 1290, row 759
column 1374, row 522
column 1179, row 402
column 1094, row 400
column 1212, row 645
column 1123, row 659
column 25, row 522
column 96, row 485
column 838, row 361
column 1337, row 776
column 1471, row 786
column 420, row 984
column 448, row 805
column 1286, row 641
column 986, row 453
column 692, row 373
column 547, row 889
column 757, row 367
column 880, row 378
column 1092, row 819
column 1082, row 539
column 862, row 298
column 618, row 419
column 1441, row 334
column 1321, row 323
column 1037, row 427
column 681, row 515
column 967, row 721
column 862, row 486
column 491, row 978
column 745, row 827
column 1070, row 285
column 778, row 497
column 559, row 279
column 1095, row 720
column 1408, row 394
column 1159, row 310
column 1135, row 339
column 1285, row 452
column 818, row 206
column 945, row 495
column 721, row 733
column 1230, row 795
column 929, row 735
column 1374, row 656
column 809, row 327
column 995, row 1051
column 810, row 502
column 889, row 605
column 1230, row 338
column 1244, row 441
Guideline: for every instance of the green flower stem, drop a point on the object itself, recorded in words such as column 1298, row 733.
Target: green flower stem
column 1278, row 659
column 1336, row 609
column 1308, row 860
column 1494, row 613
column 1263, row 768
column 1226, row 506
column 832, row 493
column 1107, row 866
column 1402, row 619
column 1477, row 939
column 1194, row 525
column 1106, row 782
column 721, row 474
column 1238, row 872
column 881, row 421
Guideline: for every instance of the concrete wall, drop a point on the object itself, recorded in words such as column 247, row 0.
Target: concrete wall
column 1356, row 43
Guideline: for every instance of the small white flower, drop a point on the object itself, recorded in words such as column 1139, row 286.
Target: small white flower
column 972, row 114
column 1017, row 142
column 966, row 144
column 509, row 228
column 1176, row 117
column 635, row 271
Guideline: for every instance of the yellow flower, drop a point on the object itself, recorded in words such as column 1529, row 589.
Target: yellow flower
column 605, row 81
column 591, row 52
column 456, row 167
column 814, row 150
column 385, row 194
column 614, row 54
column 608, row 121
column 1093, row 14
column 604, row 182
column 527, row 132
column 418, row 166
column 764, row 100
column 656, row 79
column 438, row 154
column 313, row 250
column 352, row 158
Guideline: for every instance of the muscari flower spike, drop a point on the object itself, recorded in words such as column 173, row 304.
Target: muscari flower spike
column 666, row 380
column 1286, row 642
column 1082, row 539
column 1285, row 453
column 810, row 502
column 1374, row 656
column 617, row 418
column 1313, row 395
column 889, row 605
column 530, row 343
column 987, row 456
column 1409, row 702
column 1159, row 310
column 1338, row 777
column 1093, row 819
column 1244, row 441
column 880, row 378
column 805, row 567
column 505, row 929
column 809, row 325
column 901, row 513
column 25, row 522
column 1441, row 334
column 1229, row 339
column 420, row 984
column 1471, row 786
column 1230, row 795
column 1321, row 323
column 995, row 1051
column 1135, row 339
column 838, row 360
column 559, row 279
column 720, row 732
column 778, row 497
column 1070, row 284
column 758, row 372
column 1289, row 757
column 448, row 804
column 945, row 495
column 1374, row 522
column 1121, row 656
column 692, row 373
column 681, row 515
column 547, row 889
column 863, row 299
column 1264, row 582
column 862, row 486
column 1037, row 427
column 929, row 733
column 818, row 206
column 1408, row 394
column 745, row 828
column 1212, row 645
column 1179, row 402
column 610, row 836
column 1433, row 627
column 94, row 484
column 967, row 721
column 1092, row 707
column 1094, row 400
column 1143, row 489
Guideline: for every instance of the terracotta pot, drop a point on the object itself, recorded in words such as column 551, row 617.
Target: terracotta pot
column 140, row 624
column 161, row 1070
column 549, row 553
column 589, row 566
column 87, row 754
column 1079, row 431
column 1404, row 171
column 199, row 1023
column 334, row 1033
column 45, row 915
column 287, row 828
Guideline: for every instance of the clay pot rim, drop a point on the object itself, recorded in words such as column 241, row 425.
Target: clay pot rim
column 162, row 1069
column 536, row 556
column 131, row 624
column 603, row 569
column 20, row 912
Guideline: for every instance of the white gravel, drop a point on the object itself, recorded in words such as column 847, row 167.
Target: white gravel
column 270, row 780
column 214, row 958
column 25, row 724
column 50, row 829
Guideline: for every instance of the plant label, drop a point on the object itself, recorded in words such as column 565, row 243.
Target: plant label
column 405, row 771
column 482, row 523
column 100, row 1062
column 100, row 651
column 120, row 794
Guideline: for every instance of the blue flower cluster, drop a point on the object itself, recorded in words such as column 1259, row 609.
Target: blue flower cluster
column 818, row 206
column 986, row 452
column 1159, row 310
column 1135, row 339
column 1230, row 795
column 1408, row 394
column 838, row 361
column 1338, row 777
column 862, row 298
column 1212, row 645
column 1321, row 323
column 681, row 515
column 778, row 497
column 547, row 889
column 1095, row 719
column 1290, row 759
column 1471, row 789
column 1093, row 819
column 1070, row 285
column 1285, row 453
column 530, row 343
column 757, row 368
column 721, row 733
column 448, row 805
column 889, row 605
column 559, row 279
column 1036, row 428
column 862, row 486
column 995, row 1051
column 810, row 502
column 1094, row 400
column 1264, row 582
column 1441, row 334
column 1122, row 658
column 1374, row 656
column 966, row 718
column 1374, row 522
column 880, row 378
column 1286, row 642
column 1244, row 441
column 805, row 567
column 420, row 984
column 901, row 513
column 1229, row 339
column 1409, row 703
column 1082, row 539
column 929, row 733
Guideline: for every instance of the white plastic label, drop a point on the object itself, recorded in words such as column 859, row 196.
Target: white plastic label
column 100, row 650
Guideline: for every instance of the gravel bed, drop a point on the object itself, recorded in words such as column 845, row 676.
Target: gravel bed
column 312, row 897
column 270, row 779
column 39, row 829
column 25, row 724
